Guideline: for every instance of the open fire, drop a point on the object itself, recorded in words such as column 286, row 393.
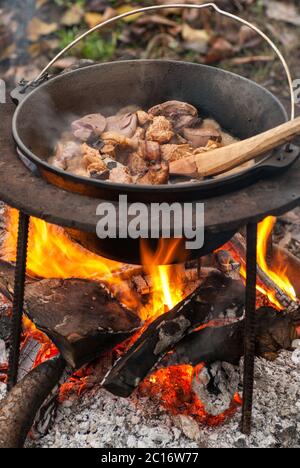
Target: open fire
column 52, row 254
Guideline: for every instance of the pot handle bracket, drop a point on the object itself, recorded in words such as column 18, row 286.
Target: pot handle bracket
column 44, row 73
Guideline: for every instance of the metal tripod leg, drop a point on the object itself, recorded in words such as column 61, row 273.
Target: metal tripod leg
column 250, row 320
column 18, row 300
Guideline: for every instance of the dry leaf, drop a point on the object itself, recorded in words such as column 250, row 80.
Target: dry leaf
column 37, row 28
column 220, row 50
column 195, row 39
column 127, row 8
column 92, row 19
column 73, row 16
column 282, row 11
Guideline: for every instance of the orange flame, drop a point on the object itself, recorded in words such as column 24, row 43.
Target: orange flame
column 52, row 254
column 166, row 279
column 277, row 272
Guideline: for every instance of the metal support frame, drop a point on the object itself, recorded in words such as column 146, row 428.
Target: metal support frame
column 18, row 300
column 250, row 328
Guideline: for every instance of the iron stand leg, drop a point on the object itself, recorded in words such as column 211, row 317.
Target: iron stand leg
column 18, row 300
column 250, row 322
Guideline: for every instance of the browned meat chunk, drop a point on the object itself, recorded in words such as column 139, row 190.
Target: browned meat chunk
column 120, row 175
column 199, row 137
column 175, row 152
column 84, row 128
column 143, row 117
column 179, row 113
column 160, row 130
column 137, row 164
column 115, row 139
column 92, row 159
column 153, row 151
column 157, row 174
column 124, row 124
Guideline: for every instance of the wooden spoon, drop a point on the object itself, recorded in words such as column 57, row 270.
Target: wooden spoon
column 224, row 159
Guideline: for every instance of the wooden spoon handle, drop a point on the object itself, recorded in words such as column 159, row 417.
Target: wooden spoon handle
column 229, row 157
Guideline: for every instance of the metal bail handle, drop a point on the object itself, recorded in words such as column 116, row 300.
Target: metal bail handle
column 178, row 6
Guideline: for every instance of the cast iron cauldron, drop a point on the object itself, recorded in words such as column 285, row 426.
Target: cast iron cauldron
column 242, row 107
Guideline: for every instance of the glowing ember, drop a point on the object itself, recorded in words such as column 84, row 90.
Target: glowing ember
column 173, row 387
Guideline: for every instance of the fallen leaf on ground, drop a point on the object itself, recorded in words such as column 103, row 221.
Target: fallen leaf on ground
column 37, row 28
column 195, row 39
column 126, row 9
column 283, row 11
column 72, row 16
column 221, row 49
column 92, row 19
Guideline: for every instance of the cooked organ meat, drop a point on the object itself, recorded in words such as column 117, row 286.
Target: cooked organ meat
column 85, row 128
column 180, row 114
column 136, row 146
column 123, row 124
column 199, row 137
column 160, row 130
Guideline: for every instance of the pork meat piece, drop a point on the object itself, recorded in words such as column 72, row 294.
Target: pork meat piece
column 92, row 159
column 137, row 164
column 157, row 174
column 85, row 128
column 160, row 130
column 143, row 117
column 120, row 175
column 116, row 139
column 172, row 153
column 180, row 114
column 64, row 153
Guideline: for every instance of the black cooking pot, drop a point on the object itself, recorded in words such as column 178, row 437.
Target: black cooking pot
column 242, row 107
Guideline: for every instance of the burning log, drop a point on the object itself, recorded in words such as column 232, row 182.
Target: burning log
column 81, row 317
column 237, row 248
column 218, row 296
column 275, row 331
column 18, row 409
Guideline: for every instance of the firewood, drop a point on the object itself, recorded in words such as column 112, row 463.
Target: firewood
column 81, row 317
column 19, row 408
column 275, row 331
column 218, row 296
column 237, row 247
column 224, row 159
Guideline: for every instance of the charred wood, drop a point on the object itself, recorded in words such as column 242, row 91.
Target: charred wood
column 237, row 248
column 218, row 296
column 275, row 331
column 81, row 317
column 19, row 408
